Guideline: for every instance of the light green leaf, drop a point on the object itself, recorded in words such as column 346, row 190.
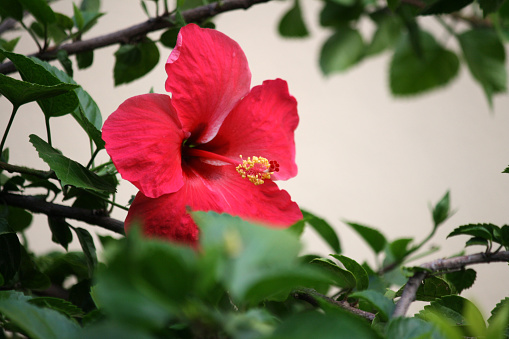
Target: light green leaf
column 409, row 328
column 341, row 51
column 382, row 304
column 485, row 57
column 411, row 74
column 68, row 171
column 442, row 209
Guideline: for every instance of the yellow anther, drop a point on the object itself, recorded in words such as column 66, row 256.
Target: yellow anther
column 255, row 169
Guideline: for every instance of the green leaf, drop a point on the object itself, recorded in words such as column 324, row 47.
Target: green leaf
column 374, row 238
column 37, row 322
column 399, row 248
column 60, row 305
column 68, row 171
column 30, row 276
column 19, row 219
column 40, row 10
column 411, row 74
column 10, row 251
column 87, row 244
column 292, row 23
column 11, row 8
column 499, row 320
column 169, row 37
column 313, row 324
column 382, row 304
column 461, row 280
column 32, row 72
column 334, row 14
column 432, row 287
column 393, row 4
column 341, row 51
column 506, row 170
column 65, row 61
column 61, row 234
column 409, row 328
column 445, row 7
column 450, row 307
column 341, row 277
column 477, row 241
column 78, row 17
column 324, row 229
column 490, row 6
column 477, row 230
column 475, row 320
column 441, row 211
column 7, row 46
column 85, row 59
column 134, row 61
column 388, row 32
column 485, row 57
column 361, row 277
column 90, row 5
column 22, row 92
column 504, row 236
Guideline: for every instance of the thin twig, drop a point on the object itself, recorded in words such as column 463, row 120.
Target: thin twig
column 38, row 205
column 439, row 265
column 135, row 32
column 310, row 296
column 25, row 170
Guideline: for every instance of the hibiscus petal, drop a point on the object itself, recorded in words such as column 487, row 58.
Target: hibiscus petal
column 262, row 124
column 207, row 75
column 144, row 139
column 212, row 188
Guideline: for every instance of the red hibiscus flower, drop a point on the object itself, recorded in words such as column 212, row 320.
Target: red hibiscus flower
column 214, row 145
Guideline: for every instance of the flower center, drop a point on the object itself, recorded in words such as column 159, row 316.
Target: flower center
column 257, row 169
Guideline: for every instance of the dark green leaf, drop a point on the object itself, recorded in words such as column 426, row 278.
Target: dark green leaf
column 30, row 276
column 485, row 56
column 381, row 303
column 292, row 23
column 37, row 322
column 461, row 280
column 89, row 20
column 32, row 72
column 504, row 236
column 40, row 10
column 313, row 324
column 134, row 61
column 169, row 37
column 393, row 4
column 21, row 92
column 412, row 74
column 64, row 22
column 60, row 305
column 7, row 46
column 87, row 244
column 112, row 330
column 441, row 211
column 373, row 237
column 336, row 15
column 61, row 234
column 19, row 219
column 88, row 105
column 409, row 328
column 477, row 241
column 323, row 228
column 506, row 170
column 65, row 61
column 90, row 5
column 490, row 6
column 445, row 7
column 341, row 51
column 340, row 277
column 68, row 171
column 356, row 269
column 85, row 59
column 11, row 8
column 58, row 266
column 10, row 256
column 399, row 248
column 476, row 230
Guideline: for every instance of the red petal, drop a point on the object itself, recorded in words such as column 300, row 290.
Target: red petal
column 212, row 188
column 262, row 124
column 207, row 75
column 144, row 139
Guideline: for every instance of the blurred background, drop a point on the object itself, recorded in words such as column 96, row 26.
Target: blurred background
column 363, row 155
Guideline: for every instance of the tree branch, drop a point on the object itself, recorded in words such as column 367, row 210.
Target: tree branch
column 39, row 205
column 310, row 296
column 25, row 170
column 140, row 30
column 440, row 265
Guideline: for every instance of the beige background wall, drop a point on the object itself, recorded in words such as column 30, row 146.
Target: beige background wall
column 363, row 155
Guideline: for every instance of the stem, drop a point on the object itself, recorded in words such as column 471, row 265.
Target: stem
column 91, row 162
column 48, row 131
column 32, row 35
column 9, row 124
column 25, row 170
column 109, row 201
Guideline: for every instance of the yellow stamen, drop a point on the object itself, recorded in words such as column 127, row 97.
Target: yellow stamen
column 256, row 169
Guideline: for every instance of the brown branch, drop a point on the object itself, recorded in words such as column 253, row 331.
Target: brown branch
column 138, row 31
column 441, row 265
column 25, row 170
column 311, row 296
column 38, row 205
